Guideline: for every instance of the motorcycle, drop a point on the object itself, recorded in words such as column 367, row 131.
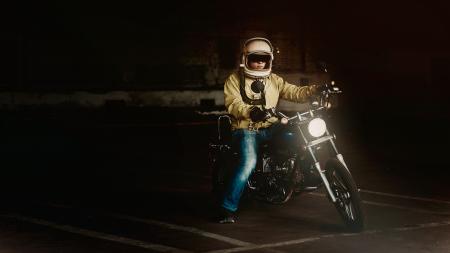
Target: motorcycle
column 301, row 157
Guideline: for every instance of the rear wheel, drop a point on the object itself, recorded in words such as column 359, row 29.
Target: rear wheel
column 348, row 200
column 217, row 180
column 220, row 171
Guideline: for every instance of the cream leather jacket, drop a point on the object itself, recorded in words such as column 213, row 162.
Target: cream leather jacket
column 275, row 88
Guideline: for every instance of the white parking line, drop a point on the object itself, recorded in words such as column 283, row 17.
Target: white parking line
column 97, row 235
column 196, row 231
column 316, row 238
column 269, row 245
column 246, row 246
column 406, row 197
column 193, row 230
column 222, row 238
column 163, row 248
column 392, row 205
column 405, row 208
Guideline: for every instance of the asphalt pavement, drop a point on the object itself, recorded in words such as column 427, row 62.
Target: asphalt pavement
column 137, row 181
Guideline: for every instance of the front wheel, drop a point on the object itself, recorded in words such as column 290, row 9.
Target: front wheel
column 348, row 200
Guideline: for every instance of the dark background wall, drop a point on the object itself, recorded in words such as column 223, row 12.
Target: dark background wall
column 392, row 58
column 398, row 51
column 79, row 43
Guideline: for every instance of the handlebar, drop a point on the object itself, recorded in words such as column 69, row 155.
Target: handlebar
column 331, row 89
column 322, row 104
column 284, row 119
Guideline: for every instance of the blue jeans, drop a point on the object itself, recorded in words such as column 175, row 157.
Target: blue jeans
column 247, row 144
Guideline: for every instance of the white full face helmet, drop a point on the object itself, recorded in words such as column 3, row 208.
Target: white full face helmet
column 259, row 49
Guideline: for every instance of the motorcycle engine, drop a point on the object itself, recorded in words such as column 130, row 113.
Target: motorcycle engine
column 277, row 173
column 276, row 179
column 277, row 165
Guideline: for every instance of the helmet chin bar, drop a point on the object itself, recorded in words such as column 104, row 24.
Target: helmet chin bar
column 257, row 73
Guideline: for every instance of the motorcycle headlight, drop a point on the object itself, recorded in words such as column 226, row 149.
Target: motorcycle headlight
column 317, row 127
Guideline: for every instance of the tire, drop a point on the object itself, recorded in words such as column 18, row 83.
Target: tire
column 218, row 181
column 348, row 200
column 220, row 173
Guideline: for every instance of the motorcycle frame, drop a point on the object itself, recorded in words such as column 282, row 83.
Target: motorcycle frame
column 303, row 118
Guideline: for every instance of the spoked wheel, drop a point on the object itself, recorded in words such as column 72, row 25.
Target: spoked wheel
column 348, row 200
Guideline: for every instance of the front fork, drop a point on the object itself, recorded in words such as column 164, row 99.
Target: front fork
column 322, row 175
column 322, row 172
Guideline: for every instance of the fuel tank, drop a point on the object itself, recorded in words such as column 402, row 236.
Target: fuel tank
column 285, row 140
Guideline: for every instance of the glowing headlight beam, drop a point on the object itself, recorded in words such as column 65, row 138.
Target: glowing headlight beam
column 317, row 127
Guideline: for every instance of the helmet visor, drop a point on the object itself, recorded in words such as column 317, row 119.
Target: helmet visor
column 259, row 58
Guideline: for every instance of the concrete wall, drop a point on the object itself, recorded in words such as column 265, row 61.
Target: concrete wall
column 149, row 98
column 87, row 99
column 161, row 98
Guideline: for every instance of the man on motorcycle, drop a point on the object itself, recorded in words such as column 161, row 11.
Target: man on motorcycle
column 248, row 92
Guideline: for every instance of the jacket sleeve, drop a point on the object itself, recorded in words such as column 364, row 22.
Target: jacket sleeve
column 292, row 92
column 233, row 100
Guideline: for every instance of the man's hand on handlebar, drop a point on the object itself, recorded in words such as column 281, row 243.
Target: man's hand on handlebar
column 258, row 115
column 319, row 89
